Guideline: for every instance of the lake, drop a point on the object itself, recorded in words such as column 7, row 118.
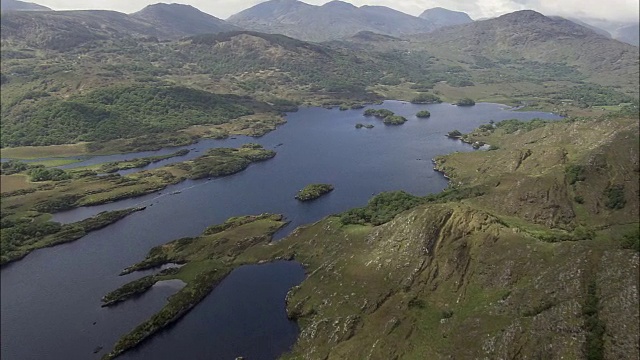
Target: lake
column 50, row 300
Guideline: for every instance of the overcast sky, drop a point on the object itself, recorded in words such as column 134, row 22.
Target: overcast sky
column 617, row 10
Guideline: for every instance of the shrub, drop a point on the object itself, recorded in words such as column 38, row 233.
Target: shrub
column 426, row 99
column 615, row 197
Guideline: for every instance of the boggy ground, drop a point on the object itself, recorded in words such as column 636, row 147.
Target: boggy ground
column 507, row 263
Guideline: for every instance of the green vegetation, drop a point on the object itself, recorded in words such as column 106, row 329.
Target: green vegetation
column 43, row 174
column 513, row 125
column 112, row 167
column 575, row 173
column 614, row 197
column 388, row 117
column 136, row 287
column 426, row 99
column 313, row 191
column 118, row 112
column 632, row 240
column 465, row 102
column 13, row 167
column 423, row 114
column 25, row 224
column 594, row 95
column 225, row 161
column 595, row 328
column 381, row 209
column 21, row 236
column 207, row 260
column 456, row 134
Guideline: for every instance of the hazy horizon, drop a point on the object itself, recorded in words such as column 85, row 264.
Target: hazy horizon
column 613, row 10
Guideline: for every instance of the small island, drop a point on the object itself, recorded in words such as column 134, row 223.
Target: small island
column 465, row 102
column 388, row 117
column 367, row 126
column 313, row 191
column 423, row 114
column 455, row 134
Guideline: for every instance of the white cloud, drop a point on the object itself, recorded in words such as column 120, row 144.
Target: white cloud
column 618, row 10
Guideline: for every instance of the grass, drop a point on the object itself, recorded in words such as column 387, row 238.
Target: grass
column 54, row 162
column 9, row 183
column 36, row 152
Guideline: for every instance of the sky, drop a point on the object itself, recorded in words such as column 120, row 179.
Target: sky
column 612, row 10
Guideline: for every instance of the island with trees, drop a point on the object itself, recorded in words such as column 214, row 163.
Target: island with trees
column 423, row 114
column 313, row 191
column 388, row 117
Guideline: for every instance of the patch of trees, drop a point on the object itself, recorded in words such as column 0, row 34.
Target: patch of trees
column 513, row 125
column 574, row 173
column 13, row 167
column 465, row 102
column 313, row 191
column 388, row 117
column 44, row 174
column 118, row 112
column 426, row 99
column 594, row 95
column 423, row 114
column 614, row 197
column 381, row 209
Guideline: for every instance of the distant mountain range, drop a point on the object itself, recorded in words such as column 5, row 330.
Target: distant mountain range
column 333, row 20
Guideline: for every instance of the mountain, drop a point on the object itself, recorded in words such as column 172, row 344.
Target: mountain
column 441, row 17
column 333, row 20
column 67, row 30
column 181, row 20
column 527, row 36
column 628, row 34
column 16, row 5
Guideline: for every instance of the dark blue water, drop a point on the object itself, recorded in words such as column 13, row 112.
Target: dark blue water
column 249, row 304
column 50, row 299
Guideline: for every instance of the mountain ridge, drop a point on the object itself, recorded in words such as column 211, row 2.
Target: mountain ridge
column 181, row 20
column 17, row 5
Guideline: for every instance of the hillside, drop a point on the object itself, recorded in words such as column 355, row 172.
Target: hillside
column 17, row 5
column 181, row 20
column 530, row 36
column 333, row 20
column 441, row 17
